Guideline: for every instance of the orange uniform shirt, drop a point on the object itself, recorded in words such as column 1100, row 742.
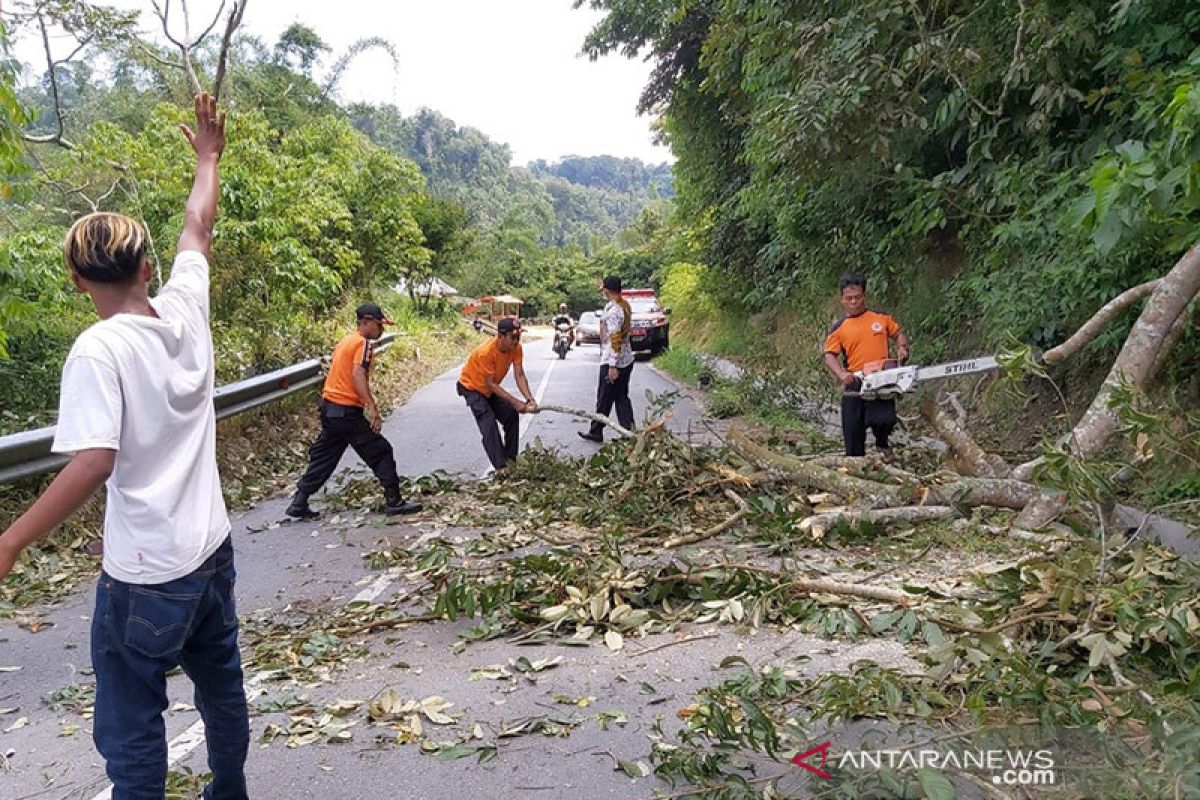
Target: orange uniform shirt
column 353, row 350
column 862, row 339
column 486, row 359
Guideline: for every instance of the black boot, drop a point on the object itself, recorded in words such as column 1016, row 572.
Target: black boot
column 299, row 509
column 394, row 504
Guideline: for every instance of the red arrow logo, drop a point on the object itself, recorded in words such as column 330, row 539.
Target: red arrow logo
column 801, row 760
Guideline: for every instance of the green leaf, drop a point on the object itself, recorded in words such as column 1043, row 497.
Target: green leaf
column 452, row 753
column 936, row 785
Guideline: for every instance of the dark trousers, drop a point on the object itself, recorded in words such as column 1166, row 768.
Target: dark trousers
column 491, row 414
column 342, row 427
column 613, row 393
column 859, row 414
column 139, row 633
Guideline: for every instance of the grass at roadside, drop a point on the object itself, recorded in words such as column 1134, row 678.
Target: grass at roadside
column 681, row 363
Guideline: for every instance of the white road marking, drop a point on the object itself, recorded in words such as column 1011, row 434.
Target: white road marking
column 527, row 419
column 376, row 587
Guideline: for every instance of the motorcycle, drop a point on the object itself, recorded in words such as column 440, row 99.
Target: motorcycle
column 562, row 339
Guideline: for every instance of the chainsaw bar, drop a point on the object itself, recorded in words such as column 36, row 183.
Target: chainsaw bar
column 902, row 380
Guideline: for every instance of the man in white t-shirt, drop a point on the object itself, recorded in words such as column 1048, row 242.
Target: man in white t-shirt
column 136, row 415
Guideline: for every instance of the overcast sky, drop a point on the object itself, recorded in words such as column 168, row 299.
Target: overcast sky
column 508, row 67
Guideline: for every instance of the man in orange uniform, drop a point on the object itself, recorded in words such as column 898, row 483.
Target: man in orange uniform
column 860, row 339
column 350, row 418
column 492, row 405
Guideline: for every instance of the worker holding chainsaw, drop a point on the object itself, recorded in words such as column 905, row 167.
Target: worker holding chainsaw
column 858, row 345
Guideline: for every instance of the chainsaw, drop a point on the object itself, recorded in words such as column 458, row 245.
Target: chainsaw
column 885, row 379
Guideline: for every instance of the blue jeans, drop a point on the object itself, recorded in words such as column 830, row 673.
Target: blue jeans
column 139, row 633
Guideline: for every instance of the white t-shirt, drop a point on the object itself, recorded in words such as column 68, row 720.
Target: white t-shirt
column 143, row 386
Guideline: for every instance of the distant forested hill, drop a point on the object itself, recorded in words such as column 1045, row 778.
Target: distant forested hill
column 583, row 201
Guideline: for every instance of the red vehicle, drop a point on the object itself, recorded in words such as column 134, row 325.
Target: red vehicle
column 649, row 328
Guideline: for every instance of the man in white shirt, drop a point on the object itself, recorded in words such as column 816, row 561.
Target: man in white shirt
column 616, row 360
column 136, row 415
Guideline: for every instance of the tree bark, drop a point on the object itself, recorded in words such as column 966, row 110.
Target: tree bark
column 973, row 492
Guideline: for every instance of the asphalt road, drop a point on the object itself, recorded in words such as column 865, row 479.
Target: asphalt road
column 435, row 430
column 48, row 752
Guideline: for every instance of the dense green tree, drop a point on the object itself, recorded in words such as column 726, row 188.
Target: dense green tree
column 299, row 47
column 1025, row 158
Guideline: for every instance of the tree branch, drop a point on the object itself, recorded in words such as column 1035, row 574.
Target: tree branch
column 57, row 136
column 1099, row 321
column 185, row 47
column 590, row 415
column 743, row 509
column 973, row 458
column 231, row 25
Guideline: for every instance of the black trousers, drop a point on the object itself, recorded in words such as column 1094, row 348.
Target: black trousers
column 614, row 393
column 342, row 427
column 491, row 414
column 858, row 415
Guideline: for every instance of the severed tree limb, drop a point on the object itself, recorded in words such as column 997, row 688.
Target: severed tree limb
column 858, row 462
column 554, row 540
column 1143, row 348
column 879, row 516
column 1001, row 626
column 973, row 459
column 810, row 585
column 692, row 538
column 592, row 415
column 872, row 494
column 1099, row 321
column 972, row 492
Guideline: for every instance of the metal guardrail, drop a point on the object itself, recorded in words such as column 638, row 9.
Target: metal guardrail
column 26, row 454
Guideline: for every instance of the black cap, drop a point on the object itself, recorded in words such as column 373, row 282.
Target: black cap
column 612, row 283
column 508, row 325
column 372, row 311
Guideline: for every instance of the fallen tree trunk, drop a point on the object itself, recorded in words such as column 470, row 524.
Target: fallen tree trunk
column 1143, row 349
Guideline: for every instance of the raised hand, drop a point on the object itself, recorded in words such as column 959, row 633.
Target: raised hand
column 208, row 138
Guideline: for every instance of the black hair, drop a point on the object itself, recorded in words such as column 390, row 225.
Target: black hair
column 851, row 280
column 612, row 283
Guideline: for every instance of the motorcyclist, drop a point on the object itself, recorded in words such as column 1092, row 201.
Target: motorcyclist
column 563, row 317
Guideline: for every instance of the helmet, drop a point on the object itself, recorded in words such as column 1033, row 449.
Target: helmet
column 562, row 306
